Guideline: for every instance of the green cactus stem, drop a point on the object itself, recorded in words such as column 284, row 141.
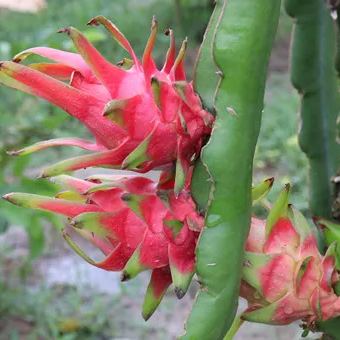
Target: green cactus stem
column 314, row 76
column 206, row 76
column 241, row 49
column 336, row 10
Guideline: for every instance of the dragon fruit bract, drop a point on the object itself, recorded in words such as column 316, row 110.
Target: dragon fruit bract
column 136, row 223
column 141, row 117
column 285, row 278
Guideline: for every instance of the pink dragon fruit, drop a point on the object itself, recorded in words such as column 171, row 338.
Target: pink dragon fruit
column 138, row 225
column 285, row 278
column 135, row 222
column 141, row 117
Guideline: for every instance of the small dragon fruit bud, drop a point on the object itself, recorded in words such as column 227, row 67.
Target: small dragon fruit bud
column 141, row 117
column 285, row 277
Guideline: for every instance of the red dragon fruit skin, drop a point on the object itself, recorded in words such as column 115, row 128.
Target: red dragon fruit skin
column 135, row 224
column 285, row 277
column 141, row 117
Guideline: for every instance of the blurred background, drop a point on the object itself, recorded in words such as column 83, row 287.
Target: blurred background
column 47, row 292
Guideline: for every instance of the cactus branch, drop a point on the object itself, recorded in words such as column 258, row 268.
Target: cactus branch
column 241, row 47
column 314, row 76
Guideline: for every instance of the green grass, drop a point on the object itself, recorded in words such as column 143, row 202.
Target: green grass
column 31, row 310
column 58, row 313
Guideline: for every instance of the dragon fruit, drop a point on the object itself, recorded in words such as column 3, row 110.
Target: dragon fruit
column 142, row 118
column 137, row 224
column 285, row 277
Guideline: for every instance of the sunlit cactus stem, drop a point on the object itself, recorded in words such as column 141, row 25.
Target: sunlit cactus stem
column 314, row 76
